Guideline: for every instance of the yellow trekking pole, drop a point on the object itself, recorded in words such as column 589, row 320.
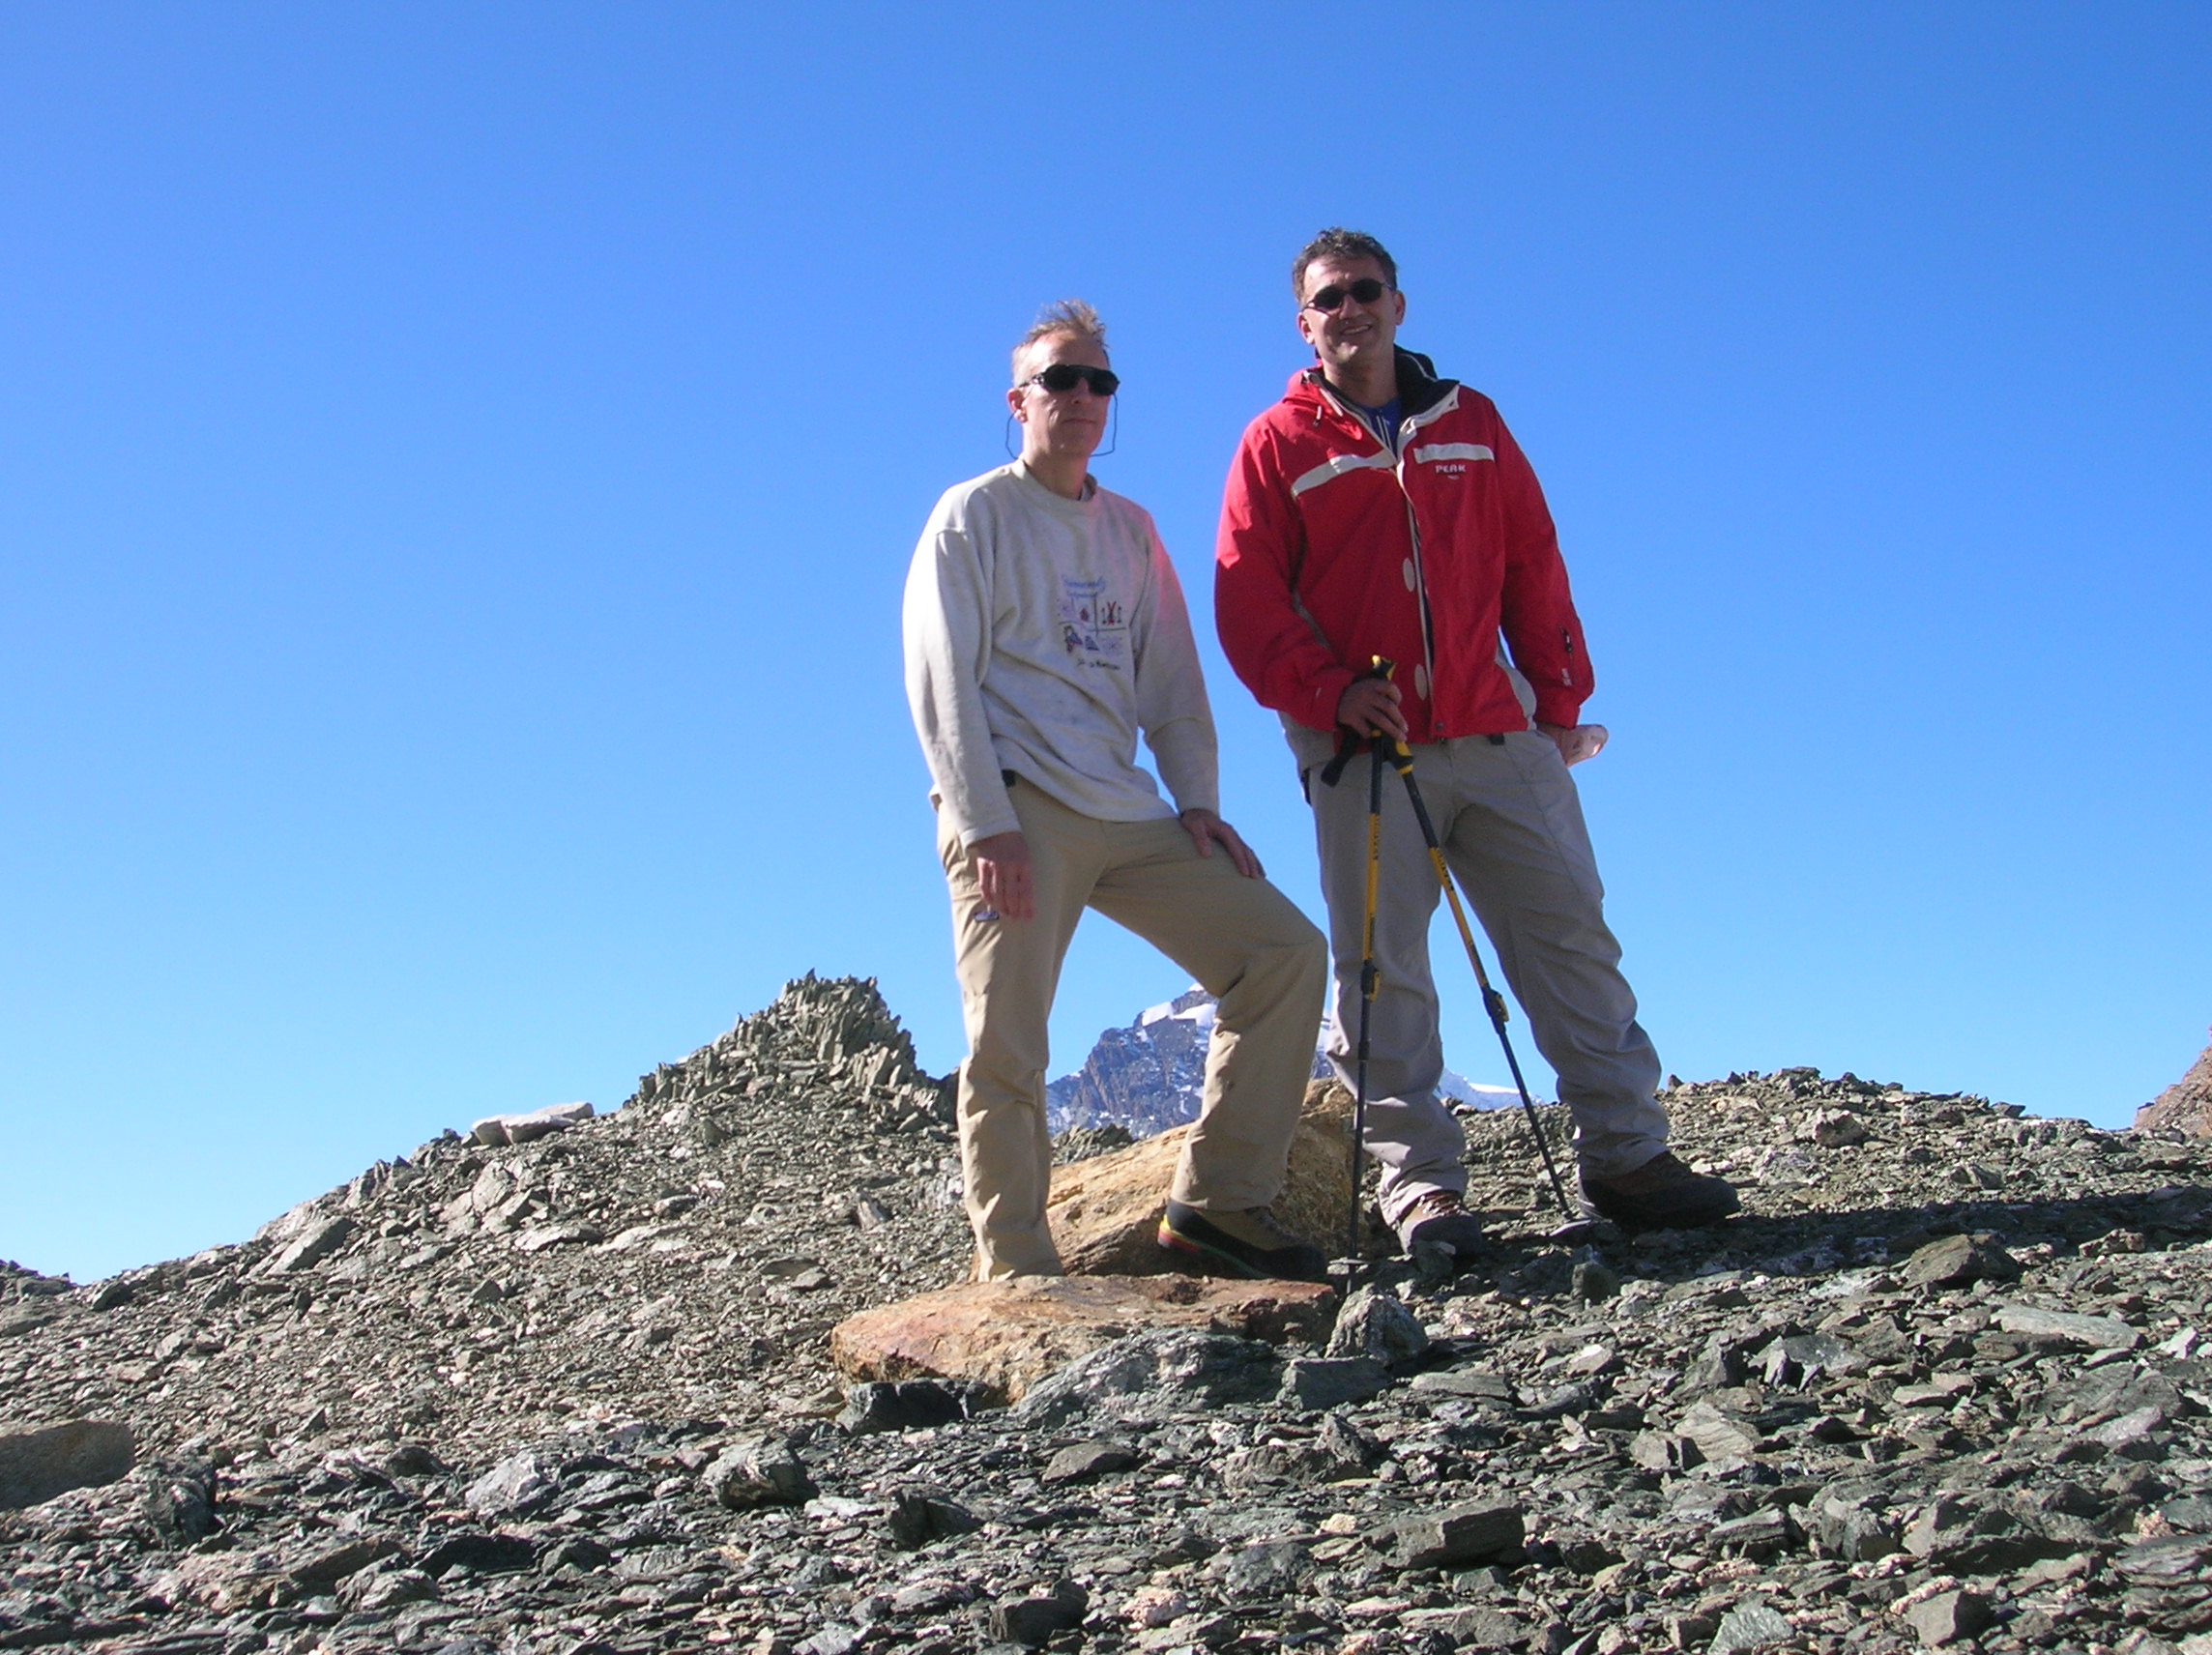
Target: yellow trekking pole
column 1331, row 773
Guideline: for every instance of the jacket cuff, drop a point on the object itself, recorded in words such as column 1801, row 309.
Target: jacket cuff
column 1559, row 707
column 1327, row 691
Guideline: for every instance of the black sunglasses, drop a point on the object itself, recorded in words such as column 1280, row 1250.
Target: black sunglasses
column 1064, row 376
column 1366, row 290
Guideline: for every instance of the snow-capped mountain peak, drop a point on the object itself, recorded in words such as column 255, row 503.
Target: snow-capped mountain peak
column 1148, row 1076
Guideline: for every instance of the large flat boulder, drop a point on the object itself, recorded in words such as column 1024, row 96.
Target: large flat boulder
column 38, row 1462
column 1007, row 1335
column 1105, row 1213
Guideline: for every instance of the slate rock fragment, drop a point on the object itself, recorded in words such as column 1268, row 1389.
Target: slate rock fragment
column 2067, row 1327
column 1377, row 1326
column 478, row 1552
column 519, row 1483
column 311, row 1247
column 323, row 1568
column 1321, row 1382
column 179, row 1498
column 1031, row 1622
column 759, row 1471
column 908, row 1404
column 920, row 1516
column 1156, row 1373
column 1749, row 1626
column 1079, row 1462
column 375, row 1591
column 1452, row 1537
column 1947, row 1617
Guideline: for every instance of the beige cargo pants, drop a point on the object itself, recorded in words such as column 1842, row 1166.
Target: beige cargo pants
column 1240, row 939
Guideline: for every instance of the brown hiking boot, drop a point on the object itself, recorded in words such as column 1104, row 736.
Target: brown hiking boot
column 1440, row 1216
column 1662, row 1194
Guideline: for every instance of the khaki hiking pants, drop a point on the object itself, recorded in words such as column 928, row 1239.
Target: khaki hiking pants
column 1511, row 826
column 1240, row 939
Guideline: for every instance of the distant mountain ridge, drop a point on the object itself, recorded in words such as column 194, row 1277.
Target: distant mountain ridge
column 1147, row 1076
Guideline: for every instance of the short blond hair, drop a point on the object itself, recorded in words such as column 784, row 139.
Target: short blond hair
column 1072, row 318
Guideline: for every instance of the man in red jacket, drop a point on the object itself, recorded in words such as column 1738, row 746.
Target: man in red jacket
column 1380, row 511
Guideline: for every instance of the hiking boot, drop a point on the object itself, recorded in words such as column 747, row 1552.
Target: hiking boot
column 1248, row 1243
column 1440, row 1216
column 1662, row 1194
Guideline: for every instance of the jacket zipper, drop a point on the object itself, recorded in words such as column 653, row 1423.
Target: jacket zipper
column 1405, row 430
column 1420, row 585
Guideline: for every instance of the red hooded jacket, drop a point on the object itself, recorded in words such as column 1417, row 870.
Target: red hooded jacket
column 1331, row 553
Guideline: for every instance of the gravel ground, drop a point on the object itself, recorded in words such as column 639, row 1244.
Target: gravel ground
column 1941, row 1385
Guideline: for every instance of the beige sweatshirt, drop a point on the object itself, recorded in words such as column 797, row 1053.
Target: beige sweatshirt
column 1042, row 634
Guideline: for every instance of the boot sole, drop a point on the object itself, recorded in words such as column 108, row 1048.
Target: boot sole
column 1175, row 1242
column 1243, row 1269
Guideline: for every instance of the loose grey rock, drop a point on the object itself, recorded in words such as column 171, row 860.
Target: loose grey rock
column 1958, row 1259
column 528, row 1128
column 380, row 1591
column 312, row 1246
column 1749, row 1626
column 1719, row 1434
column 2098, row 1332
column 908, row 1404
column 326, row 1566
column 1080, row 1461
column 1451, row 1538
column 479, row 1554
column 763, row 1472
column 1031, row 1622
column 1319, row 1383
column 1378, row 1326
column 920, row 1516
column 26, row 1319
column 517, row 1485
column 1949, row 1616
column 1156, row 1373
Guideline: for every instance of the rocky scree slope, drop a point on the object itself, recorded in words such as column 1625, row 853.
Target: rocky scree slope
column 1942, row 1385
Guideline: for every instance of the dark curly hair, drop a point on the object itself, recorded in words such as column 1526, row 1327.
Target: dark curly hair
column 1340, row 244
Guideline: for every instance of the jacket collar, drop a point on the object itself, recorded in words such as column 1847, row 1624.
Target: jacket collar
column 1420, row 386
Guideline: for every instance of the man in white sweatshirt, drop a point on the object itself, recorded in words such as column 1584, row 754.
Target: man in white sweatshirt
column 1044, row 630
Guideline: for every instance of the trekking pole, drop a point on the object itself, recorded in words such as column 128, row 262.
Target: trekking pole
column 1331, row 773
column 1494, row 1003
column 1368, row 979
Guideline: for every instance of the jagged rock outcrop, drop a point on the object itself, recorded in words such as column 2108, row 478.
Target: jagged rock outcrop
column 1943, row 1384
column 2186, row 1106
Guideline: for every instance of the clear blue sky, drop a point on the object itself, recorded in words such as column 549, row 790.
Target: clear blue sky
column 458, row 461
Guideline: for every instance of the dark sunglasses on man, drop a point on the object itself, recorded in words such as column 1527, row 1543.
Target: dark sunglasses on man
column 1063, row 377
column 1331, row 298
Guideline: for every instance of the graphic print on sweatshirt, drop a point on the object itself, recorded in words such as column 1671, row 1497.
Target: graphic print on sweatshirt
column 1093, row 625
